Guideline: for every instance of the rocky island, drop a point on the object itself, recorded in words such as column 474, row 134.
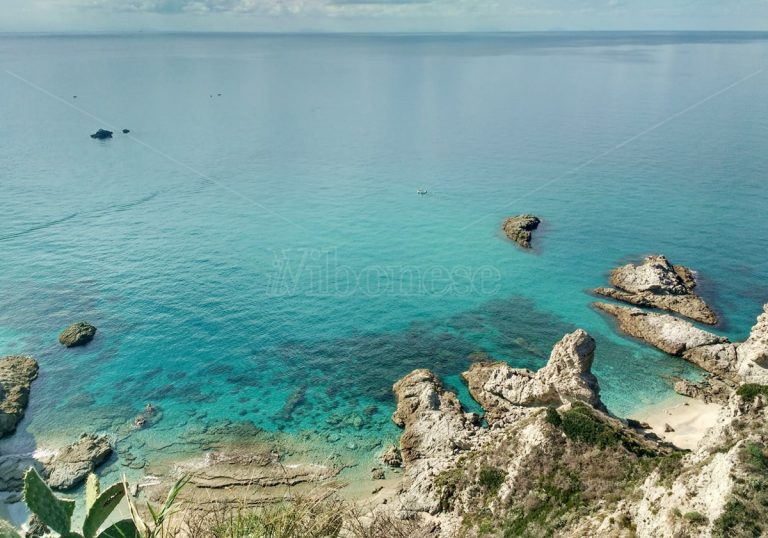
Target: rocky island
column 520, row 229
column 77, row 334
column 659, row 284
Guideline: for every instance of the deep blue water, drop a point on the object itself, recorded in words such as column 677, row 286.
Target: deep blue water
column 242, row 250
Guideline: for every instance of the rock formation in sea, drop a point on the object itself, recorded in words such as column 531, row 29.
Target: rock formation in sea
column 77, row 334
column 16, row 376
column 553, row 463
column 659, row 284
column 102, row 134
column 519, row 229
column 70, row 466
column 567, row 377
column 744, row 362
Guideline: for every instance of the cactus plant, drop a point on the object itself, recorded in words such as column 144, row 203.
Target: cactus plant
column 56, row 513
column 92, row 490
column 101, row 509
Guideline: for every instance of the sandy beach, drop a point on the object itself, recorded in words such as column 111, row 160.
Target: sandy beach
column 690, row 419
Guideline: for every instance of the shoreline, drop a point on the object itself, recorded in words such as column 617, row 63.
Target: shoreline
column 689, row 418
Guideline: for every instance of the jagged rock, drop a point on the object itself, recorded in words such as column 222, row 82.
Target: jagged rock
column 391, row 457
column 435, row 423
column 668, row 333
column 16, row 376
column 77, row 334
column 752, row 354
column 718, row 359
column 377, row 474
column 659, row 284
column 519, row 228
column 567, row 377
column 436, row 428
column 70, row 465
column 711, row 390
column 102, row 134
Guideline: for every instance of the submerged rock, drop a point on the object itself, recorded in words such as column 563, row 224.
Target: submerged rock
column 102, row 134
column 659, row 284
column 71, row 465
column 519, row 229
column 16, row 376
column 77, row 334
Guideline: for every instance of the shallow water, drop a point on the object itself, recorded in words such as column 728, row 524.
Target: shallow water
column 262, row 255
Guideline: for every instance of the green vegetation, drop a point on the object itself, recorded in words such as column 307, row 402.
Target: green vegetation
column 491, row 478
column 756, row 457
column 750, row 391
column 696, row 517
column 561, row 492
column 581, row 424
column 737, row 521
column 553, row 417
column 56, row 512
column 745, row 512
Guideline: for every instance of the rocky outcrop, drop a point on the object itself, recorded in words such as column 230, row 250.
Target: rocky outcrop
column 668, row 333
column 711, row 390
column 16, row 376
column 659, row 284
column 77, row 334
column 102, row 134
column 71, row 465
column 519, row 229
column 436, row 429
column 546, row 430
column 733, row 363
column 243, row 477
column 502, row 390
column 391, row 457
column 752, row 354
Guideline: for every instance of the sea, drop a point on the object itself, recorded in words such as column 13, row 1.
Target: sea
column 259, row 263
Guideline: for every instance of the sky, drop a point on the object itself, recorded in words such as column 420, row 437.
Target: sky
column 380, row 15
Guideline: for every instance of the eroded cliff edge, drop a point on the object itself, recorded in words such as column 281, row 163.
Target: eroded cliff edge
column 553, row 462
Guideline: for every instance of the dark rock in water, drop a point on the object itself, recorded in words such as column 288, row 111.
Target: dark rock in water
column 126, row 131
column 77, row 334
column 377, row 474
column 16, row 376
column 71, row 464
column 519, row 229
column 102, row 134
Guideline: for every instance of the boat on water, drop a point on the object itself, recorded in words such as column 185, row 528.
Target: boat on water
column 421, row 191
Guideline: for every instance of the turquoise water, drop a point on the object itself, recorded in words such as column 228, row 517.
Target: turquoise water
column 261, row 255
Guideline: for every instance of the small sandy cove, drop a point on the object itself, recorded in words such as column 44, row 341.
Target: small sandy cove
column 690, row 419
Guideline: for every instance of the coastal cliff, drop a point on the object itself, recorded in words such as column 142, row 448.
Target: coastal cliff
column 554, row 462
